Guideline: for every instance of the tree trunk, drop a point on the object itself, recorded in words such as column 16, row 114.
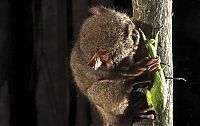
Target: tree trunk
column 158, row 15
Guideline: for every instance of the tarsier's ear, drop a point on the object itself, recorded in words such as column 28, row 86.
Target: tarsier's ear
column 100, row 58
column 98, row 10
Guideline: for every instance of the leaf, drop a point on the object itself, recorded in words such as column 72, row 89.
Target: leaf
column 156, row 95
column 149, row 100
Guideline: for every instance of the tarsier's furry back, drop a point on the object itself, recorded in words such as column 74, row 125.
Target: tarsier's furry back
column 110, row 31
column 102, row 61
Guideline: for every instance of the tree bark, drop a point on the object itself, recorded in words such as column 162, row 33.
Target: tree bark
column 158, row 15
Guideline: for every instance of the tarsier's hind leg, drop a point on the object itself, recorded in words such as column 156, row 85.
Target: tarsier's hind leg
column 108, row 118
column 109, row 99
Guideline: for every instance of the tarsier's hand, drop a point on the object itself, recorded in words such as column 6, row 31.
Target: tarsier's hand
column 138, row 68
column 146, row 64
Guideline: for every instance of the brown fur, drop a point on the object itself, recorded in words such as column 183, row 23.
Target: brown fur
column 106, row 87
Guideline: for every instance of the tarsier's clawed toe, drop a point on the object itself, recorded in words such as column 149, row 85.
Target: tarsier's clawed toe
column 147, row 113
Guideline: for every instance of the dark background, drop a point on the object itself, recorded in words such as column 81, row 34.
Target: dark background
column 186, row 42
column 36, row 37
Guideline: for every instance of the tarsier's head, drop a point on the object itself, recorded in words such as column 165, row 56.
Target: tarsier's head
column 107, row 37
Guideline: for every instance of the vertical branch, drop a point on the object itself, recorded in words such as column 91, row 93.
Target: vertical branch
column 158, row 14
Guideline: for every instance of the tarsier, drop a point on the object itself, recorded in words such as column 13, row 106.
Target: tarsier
column 102, row 63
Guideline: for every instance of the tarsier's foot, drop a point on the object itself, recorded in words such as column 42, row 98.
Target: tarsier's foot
column 147, row 113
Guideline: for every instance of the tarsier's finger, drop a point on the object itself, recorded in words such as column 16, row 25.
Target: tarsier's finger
column 152, row 61
column 146, row 110
column 145, row 64
column 142, row 62
column 150, row 116
column 153, row 66
column 147, row 113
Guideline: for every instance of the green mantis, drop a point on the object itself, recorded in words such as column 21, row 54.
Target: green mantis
column 157, row 93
